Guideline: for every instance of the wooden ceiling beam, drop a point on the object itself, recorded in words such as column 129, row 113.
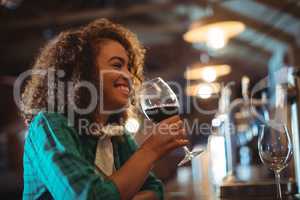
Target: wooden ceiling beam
column 80, row 17
column 288, row 7
column 176, row 28
column 222, row 13
column 263, row 52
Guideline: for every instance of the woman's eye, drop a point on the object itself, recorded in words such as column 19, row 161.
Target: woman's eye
column 118, row 65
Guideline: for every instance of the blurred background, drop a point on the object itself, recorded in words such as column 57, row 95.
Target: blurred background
column 217, row 50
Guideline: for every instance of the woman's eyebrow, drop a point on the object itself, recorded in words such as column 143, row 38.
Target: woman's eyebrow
column 118, row 58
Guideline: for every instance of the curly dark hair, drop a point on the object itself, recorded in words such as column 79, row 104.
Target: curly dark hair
column 74, row 52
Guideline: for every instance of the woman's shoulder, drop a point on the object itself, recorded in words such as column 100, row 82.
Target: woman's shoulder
column 50, row 121
column 51, row 130
column 49, row 118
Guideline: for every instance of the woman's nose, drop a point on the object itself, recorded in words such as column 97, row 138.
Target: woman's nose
column 128, row 74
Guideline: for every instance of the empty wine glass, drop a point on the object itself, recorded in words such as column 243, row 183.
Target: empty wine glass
column 158, row 102
column 275, row 149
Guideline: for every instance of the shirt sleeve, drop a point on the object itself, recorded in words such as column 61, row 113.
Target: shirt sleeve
column 53, row 147
column 151, row 183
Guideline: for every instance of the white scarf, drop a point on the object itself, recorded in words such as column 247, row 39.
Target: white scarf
column 104, row 158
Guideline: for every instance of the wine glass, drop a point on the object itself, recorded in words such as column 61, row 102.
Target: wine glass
column 159, row 102
column 275, row 149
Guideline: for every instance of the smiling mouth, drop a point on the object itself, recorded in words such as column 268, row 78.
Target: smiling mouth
column 123, row 85
column 124, row 89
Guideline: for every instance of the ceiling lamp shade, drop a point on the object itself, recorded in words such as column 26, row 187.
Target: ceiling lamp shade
column 215, row 35
column 208, row 73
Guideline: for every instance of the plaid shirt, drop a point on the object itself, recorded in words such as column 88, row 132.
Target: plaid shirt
column 59, row 163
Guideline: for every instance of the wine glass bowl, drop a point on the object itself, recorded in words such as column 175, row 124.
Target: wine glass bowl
column 157, row 100
column 275, row 149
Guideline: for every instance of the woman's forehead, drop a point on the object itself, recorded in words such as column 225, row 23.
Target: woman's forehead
column 111, row 48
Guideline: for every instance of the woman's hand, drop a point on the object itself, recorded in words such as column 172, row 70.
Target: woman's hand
column 166, row 136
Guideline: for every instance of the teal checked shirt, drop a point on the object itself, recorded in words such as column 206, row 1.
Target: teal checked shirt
column 59, row 163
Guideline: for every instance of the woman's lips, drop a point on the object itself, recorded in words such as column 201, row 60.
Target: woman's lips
column 123, row 86
column 124, row 89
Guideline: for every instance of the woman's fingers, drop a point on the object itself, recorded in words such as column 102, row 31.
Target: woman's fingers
column 175, row 144
column 175, row 127
column 172, row 119
column 182, row 134
column 176, row 136
column 171, row 124
column 172, row 128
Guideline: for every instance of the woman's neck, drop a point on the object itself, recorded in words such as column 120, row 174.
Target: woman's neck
column 102, row 119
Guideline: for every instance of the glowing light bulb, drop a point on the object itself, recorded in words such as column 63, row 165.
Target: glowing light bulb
column 132, row 125
column 209, row 74
column 204, row 91
column 216, row 38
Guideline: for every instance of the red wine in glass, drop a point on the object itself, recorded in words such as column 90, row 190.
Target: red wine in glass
column 159, row 113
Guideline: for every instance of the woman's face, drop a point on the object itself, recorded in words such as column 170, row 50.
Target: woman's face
column 115, row 77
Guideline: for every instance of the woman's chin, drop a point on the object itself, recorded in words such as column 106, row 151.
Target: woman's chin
column 121, row 104
column 117, row 103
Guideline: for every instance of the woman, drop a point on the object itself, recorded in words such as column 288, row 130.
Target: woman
column 94, row 160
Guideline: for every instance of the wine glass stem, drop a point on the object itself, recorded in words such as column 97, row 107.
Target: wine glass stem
column 186, row 149
column 277, row 177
